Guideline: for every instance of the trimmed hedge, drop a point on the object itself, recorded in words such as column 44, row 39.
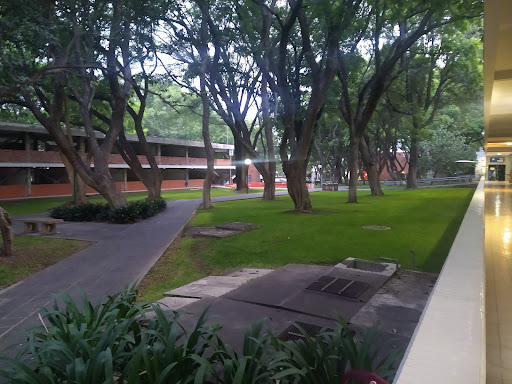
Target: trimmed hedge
column 130, row 213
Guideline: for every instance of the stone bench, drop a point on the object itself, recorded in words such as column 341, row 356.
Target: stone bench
column 48, row 226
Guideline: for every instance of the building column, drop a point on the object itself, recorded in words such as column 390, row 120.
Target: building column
column 27, row 147
column 186, row 177
column 29, row 181
column 186, row 155
column 125, row 179
column 159, row 153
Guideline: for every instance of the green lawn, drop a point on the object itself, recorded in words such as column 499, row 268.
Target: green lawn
column 23, row 207
column 423, row 220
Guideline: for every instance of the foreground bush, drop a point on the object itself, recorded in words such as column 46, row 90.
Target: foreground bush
column 130, row 213
column 106, row 343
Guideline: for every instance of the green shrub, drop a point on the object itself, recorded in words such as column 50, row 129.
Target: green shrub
column 130, row 213
column 107, row 344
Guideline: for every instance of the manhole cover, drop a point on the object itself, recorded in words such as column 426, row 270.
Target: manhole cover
column 377, row 227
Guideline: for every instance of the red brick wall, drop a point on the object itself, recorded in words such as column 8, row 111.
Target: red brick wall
column 42, row 190
column 51, row 190
column 253, row 172
column 400, row 157
column 12, row 191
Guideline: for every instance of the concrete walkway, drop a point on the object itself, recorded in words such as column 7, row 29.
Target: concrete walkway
column 117, row 259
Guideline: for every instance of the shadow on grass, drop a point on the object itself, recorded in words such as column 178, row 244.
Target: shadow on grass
column 433, row 263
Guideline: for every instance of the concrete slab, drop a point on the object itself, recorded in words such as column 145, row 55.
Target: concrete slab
column 193, row 231
column 385, row 269
column 198, row 291
column 236, row 316
column 275, row 288
column 398, row 305
column 238, row 226
column 251, row 273
column 286, row 288
column 209, row 232
column 212, row 285
column 175, row 303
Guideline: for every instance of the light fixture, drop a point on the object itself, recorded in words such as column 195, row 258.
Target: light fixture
column 509, row 143
column 499, row 154
column 248, row 161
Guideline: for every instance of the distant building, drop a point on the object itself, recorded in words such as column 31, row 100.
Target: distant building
column 31, row 165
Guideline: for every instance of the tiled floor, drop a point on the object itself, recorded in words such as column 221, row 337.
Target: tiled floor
column 498, row 255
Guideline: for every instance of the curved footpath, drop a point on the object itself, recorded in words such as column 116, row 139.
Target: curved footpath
column 104, row 268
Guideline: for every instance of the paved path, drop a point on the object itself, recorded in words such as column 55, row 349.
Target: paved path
column 118, row 258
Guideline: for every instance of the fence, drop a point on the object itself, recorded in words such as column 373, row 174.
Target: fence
column 466, row 179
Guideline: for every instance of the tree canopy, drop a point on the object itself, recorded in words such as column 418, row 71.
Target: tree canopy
column 347, row 84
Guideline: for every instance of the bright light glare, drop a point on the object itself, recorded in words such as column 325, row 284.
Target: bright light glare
column 506, row 236
column 248, row 161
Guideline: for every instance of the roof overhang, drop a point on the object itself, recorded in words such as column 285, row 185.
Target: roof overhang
column 498, row 75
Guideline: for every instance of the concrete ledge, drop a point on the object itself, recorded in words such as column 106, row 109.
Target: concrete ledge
column 448, row 345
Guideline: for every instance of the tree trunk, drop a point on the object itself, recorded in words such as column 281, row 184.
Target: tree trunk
column 413, row 163
column 370, row 162
column 353, row 162
column 210, row 155
column 240, row 168
column 78, row 187
column 151, row 178
column 269, row 190
column 296, row 182
column 7, row 234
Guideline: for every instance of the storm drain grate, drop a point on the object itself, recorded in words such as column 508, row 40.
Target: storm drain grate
column 338, row 286
column 341, row 287
column 321, row 283
column 293, row 333
column 355, row 289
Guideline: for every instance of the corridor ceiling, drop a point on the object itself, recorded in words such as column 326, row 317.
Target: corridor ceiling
column 498, row 75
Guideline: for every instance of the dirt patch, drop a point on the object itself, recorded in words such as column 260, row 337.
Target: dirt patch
column 32, row 255
column 200, row 246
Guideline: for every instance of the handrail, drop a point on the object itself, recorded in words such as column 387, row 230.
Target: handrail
column 441, row 180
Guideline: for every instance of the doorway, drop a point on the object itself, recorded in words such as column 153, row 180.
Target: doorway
column 496, row 173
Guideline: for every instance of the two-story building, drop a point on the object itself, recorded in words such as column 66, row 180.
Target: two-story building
column 31, row 164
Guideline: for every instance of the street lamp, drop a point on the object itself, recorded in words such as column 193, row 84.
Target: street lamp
column 248, row 163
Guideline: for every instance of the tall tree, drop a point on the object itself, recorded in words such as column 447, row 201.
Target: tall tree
column 443, row 68
column 204, row 6
column 386, row 31
column 68, row 48
column 298, row 65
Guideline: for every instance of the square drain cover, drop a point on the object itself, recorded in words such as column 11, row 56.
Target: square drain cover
column 321, row 283
column 293, row 333
column 355, row 289
column 340, row 287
